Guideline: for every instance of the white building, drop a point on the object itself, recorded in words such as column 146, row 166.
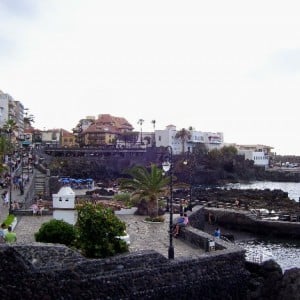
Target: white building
column 11, row 110
column 64, row 205
column 166, row 137
column 260, row 154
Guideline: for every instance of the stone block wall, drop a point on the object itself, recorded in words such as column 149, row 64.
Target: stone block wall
column 40, row 271
column 242, row 220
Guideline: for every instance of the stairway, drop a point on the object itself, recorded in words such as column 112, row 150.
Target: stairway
column 40, row 183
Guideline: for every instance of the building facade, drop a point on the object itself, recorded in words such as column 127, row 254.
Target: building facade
column 167, row 137
column 11, row 109
column 260, row 154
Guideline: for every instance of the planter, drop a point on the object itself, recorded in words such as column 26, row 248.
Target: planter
column 126, row 211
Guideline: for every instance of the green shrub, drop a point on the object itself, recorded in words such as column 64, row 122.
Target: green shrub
column 124, row 198
column 98, row 231
column 56, row 231
column 9, row 220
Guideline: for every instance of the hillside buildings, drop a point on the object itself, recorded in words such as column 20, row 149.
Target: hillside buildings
column 11, row 109
column 114, row 132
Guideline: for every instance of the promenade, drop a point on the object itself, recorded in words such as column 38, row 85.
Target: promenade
column 143, row 235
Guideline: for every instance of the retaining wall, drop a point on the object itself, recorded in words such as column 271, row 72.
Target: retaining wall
column 242, row 220
column 53, row 271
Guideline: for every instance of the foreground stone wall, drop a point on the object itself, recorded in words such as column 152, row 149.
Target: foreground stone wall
column 48, row 271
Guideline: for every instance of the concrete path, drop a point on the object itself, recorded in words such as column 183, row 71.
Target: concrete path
column 16, row 196
column 143, row 235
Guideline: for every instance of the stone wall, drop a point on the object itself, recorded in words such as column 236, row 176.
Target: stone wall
column 243, row 220
column 40, row 271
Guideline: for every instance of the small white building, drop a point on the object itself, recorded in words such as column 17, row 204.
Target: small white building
column 64, row 205
column 260, row 154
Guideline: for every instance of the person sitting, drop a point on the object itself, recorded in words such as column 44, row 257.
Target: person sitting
column 181, row 223
column 15, row 205
column 35, row 209
column 177, row 220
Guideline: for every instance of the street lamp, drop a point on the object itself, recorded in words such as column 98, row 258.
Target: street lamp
column 168, row 167
column 186, row 162
column 10, row 176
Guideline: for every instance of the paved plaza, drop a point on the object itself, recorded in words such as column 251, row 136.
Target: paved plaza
column 143, row 235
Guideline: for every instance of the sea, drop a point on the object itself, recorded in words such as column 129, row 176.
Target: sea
column 286, row 252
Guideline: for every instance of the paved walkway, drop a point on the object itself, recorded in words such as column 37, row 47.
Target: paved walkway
column 15, row 196
column 143, row 235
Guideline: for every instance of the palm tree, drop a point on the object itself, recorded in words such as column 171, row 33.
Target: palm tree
column 147, row 185
column 10, row 127
column 153, row 123
column 3, row 150
column 140, row 122
column 184, row 135
column 28, row 120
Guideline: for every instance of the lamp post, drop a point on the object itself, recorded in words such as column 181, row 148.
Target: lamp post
column 188, row 162
column 168, row 167
column 10, row 177
column 21, row 138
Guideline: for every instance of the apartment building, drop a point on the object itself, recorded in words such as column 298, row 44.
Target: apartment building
column 11, row 109
column 167, row 137
column 260, row 154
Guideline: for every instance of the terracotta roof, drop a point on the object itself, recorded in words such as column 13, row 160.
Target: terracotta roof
column 108, row 123
column 66, row 133
column 101, row 128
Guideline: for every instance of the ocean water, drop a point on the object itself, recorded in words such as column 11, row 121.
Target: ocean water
column 285, row 252
column 292, row 188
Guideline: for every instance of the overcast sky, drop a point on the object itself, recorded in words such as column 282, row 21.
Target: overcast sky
column 219, row 66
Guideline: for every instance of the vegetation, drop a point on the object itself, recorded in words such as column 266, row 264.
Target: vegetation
column 56, row 231
column 9, row 220
column 146, row 185
column 184, row 135
column 126, row 199
column 98, row 231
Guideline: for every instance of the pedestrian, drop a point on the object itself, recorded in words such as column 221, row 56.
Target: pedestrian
column 5, row 198
column 2, row 233
column 217, row 233
column 185, row 205
column 10, row 236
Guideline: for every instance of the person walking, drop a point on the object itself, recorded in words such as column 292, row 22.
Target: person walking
column 10, row 236
column 217, row 233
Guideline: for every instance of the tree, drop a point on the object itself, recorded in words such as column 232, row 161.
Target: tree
column 99, row 230
column 28, row 120
column 184, row 135
column 9, row 128
column 153, row 123
column 140, row 122
column 147, row 185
